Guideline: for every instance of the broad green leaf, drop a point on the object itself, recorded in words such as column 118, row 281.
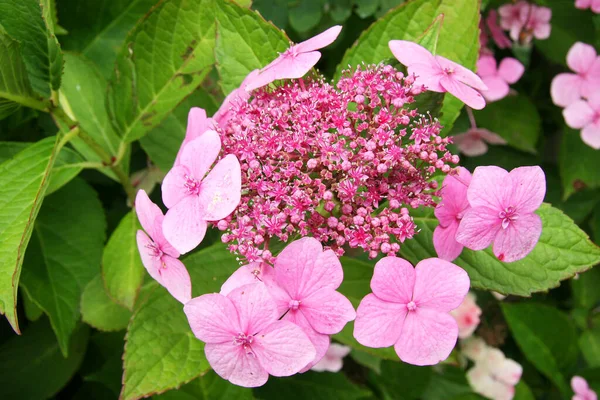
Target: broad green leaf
column 245, row 41
column 547, row 338
column 458, row 39
column 562, row 251
column 122, row 269
column 23, row 183
column 33, row 367
column 306, row 14
column 165, row 59
column 585, row 289
column 49, row 14
column 449, row 382
column 398, row 378
column 99, row 310
column 163, row 142
column 523, row 392
column 65, row 255
column 515, row 118
column 161, row 351
column 32, row 311
column 311, row 385
column 22, row 20
column 97, row 29
column 589, row 343
column 276, row 11
column 366, row 359
column 578, row 163
column 208, row 387
column 366, row 8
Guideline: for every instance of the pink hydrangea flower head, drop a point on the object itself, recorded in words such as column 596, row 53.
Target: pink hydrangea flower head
column 585, row 4
column 158, row 256
column 501, row 40
column 233, row 101
column 582, row 389
column 439, row 74
column 567, row 88
column 474, row 142
column 296, row 61
column 498, row 78
column 409, row 309
column 245, row 340
column 502, row 211
column 585, row 115
column 333, row 360
column 193, row 198
column 467, row 316
column 198, row 123
column 449, row 212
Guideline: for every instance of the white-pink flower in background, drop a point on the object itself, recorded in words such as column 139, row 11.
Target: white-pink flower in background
column 594, row 5
column 467, row 316
column 582, row 389
column 333, row 360
column 438, row 74
column 567, row 88
column 585, row 115
column 474, row 142
column 409, row 309
column 498, row 77
column 502, row 211
column 494, row 375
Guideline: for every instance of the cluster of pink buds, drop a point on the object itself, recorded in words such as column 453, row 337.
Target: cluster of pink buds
column 340, row 164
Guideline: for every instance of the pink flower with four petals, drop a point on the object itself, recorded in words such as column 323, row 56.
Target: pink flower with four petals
column 586, row 114
column 567, row 88
column 498, row 78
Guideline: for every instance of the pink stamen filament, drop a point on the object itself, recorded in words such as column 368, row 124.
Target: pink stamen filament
column 244, row 340
column 508, row 215
column 192, row 185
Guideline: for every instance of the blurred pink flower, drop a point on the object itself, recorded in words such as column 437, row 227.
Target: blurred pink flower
column 449, row 212
column 409, row 309
column 467, row 316
column 333, row 360
column 502, row 211
column 498, row 79
column 438, row 74
column 586, row 114
column 582, row 389
column 510, row 15
column 473, row 142
column 494, row 375
column 567, row 88
column 584, row 4
column 498, row 35
column 525, row 20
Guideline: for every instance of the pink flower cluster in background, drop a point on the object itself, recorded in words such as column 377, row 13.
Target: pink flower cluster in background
column 525, row 21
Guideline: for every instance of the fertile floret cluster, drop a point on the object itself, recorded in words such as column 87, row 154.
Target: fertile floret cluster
column 342, row 164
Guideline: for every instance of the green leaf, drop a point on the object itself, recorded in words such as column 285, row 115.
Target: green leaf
column 458, row 39
column 50, row 16
column 245, row 41
column 99, row 310
column 562, row 251
column 23, row 182
column 523, row 392
column 585, row 172
column 366, row 8
column 547, row 338
column 163, row 142
column 33, row 367
column 97, row 29
column 515, row 118
column 398, row 378
column 306, row 15
column 311, row 385
column 208, row 387
column 585, row 289
column 22, row 20
column 165, row 58
column 65, row 255
column 122, row 269
column 32, row 311
column 161, row 351
column 275, row 11
column 589, row 343
column 449, row 382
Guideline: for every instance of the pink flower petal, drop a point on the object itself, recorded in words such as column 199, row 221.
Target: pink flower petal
column 198, row 123
column 528, row 188
column 232, row 363
column 461, row 74
column 255, row 307
column 497, row 88
column 393, row 280
column 583, row 4
column 237, row 96
column 244, row 275
column 490, row 137
column 286, row 67
column 565, row 89
column 150, row 261
column 511, row 70
column 591, row 135
column 327, row 311
column 213, row 318
column 488, row 187
column 518, row 239
column 578, row 114
column 319, row 341
column 184, row 226
column 428, row 337
column 470, row 145
column 378, row 323
column 440, row 285
column 151, row 218
column 454, row 197
column 467, row 316
column 581, row 57
column 319, row 41
column 445, row 244
column 173, row 186
column 199, row 154
column 579, row 385
column 333, row 360
column 478, row 228
column 175, row 278
column 221, row 190
column 464, row 93
column 428, row 76
column 409, row 53
column 542, row 31
column 486, row 66
column 283, row 348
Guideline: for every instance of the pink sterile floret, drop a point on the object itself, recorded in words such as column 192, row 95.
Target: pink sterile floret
column 467, row 316
column 450, row 212
column 192, row 198
column 567, row 88
column 296, row 61
column 198, row 123
column 474, row 142
column 245, row 341
column 409, row 308
column 158, row 256
column 439, row 74
column 582, row 389
column 502, row 211
column 334, row 358
column 498, row 79
column 494, row 375
column 584, row 4
column 586, row 114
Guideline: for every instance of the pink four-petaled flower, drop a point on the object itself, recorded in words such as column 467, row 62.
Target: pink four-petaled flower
column 582, row 389
column 438, row 74
column 498, row 78
column 567, row 88
column 474, row 142
column 586, row 114
column 198, row 123
column 409, row 309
